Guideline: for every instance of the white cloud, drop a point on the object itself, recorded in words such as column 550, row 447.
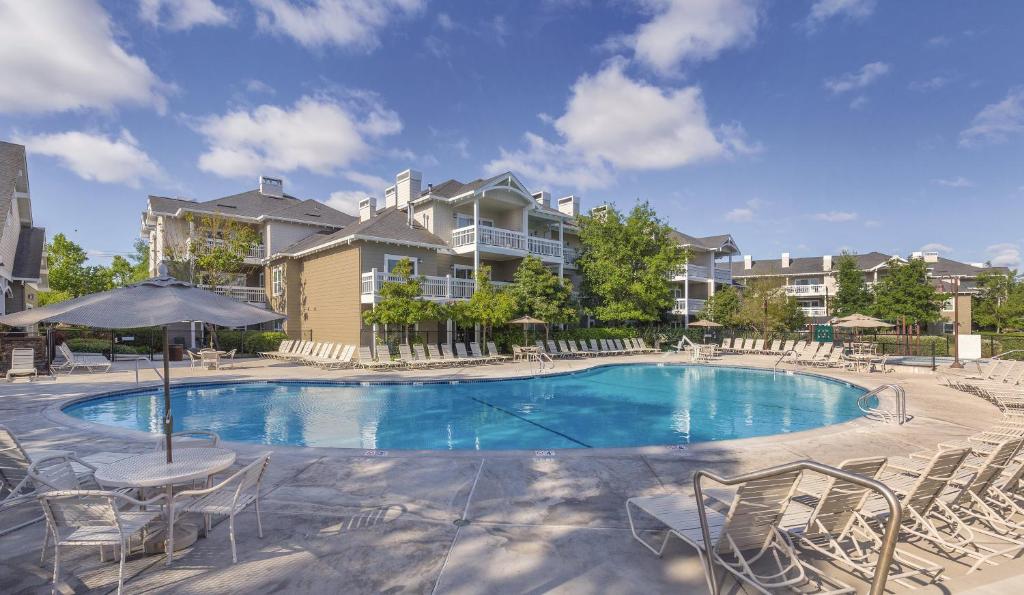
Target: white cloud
column 937, row 41
column 347, row 201
column 872, row 223
column 858, row 102
column 258, row 86
column 341, row 23
column 996, row 122
column 62, row 55
column 180, row 15
column 318, row 134
column 823, row 10
column 97, row 157
column 615, row 122
column 936, row 247
column 444, row 20
column 692, row 31
column 368, row 181
column 1004, row 254
column 957, row 182
column 933, row 84
column 852, row 81
column 836, row 216
column 745, row 213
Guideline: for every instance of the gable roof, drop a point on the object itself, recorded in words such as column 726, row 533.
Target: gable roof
column 388, row 225
column 13, row 176
column 945, row 266
column 253, row 204
column 28, row 258
column 808, row 265
column 711, row 243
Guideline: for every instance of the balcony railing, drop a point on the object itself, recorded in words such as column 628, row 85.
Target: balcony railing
column 252, row 295
column 685, row 306
column 798, row 290
column 569, row 256
column 254, row 251
column 815, row 311
column 723, row 275
column 505, row 238
column 432, row 287
column 701, row 273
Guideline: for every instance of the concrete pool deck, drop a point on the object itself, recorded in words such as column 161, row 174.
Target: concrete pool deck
column 344, row 520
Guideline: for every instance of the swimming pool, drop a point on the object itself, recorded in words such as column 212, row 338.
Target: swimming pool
column 605, row 407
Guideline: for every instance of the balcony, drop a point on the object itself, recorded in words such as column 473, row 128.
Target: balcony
column 684, row 306
column 569, row 256
column 254, row 254
column 805, row 290
column 495, row 240
column 696, row 272
column 815, row 311
column 256, row 296
column 432, row 287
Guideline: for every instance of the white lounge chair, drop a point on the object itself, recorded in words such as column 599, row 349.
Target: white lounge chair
column 492, row 350
column 342, row 360
column 23, row 363
column 87, row 361
column 282, row 347
column 439, row 359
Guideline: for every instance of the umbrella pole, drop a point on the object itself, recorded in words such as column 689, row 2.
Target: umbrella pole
column 168, row 422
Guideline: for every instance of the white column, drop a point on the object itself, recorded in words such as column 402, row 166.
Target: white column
column 711, row 274
column 561, row 243
column 686, row 303
column 476, row 257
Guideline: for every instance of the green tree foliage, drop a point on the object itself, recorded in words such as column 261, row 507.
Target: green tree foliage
column 626, row 261
column 906, row 292
column 122, row 271
column 400, row 303
column 69, row 276
column 999, row 304
column 852, row 295
column 538, row 292
column 488, row 306
column 218, row 249
column 723, row 307
column 767, row 309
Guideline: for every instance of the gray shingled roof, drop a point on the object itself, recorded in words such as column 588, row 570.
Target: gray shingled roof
column 254, row 204
column 13, row 176
column 29, row 256
column 946, row 266
column 808, row 265
column 389, row 224
column 707, row 242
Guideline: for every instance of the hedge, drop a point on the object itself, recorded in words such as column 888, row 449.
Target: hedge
column 250, row 341
column 103, row 346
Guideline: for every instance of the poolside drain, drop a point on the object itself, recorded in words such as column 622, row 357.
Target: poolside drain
column 461, row 522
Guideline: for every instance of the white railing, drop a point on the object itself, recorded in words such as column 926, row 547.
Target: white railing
column 701, row 272
column 569, row 256
column 723, row 275
column 252, row 295
column 254, row 251
column 432, row 287
column 816, row 289
column 543, row 247
column 815, row 310
column 684, row 306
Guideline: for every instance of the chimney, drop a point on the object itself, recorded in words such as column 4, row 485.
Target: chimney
column 916, row 255
column 367, row 208
column 931, row 257
column 826, row 262
column 748, row 262
column 785, row 260
column 407, row 187
column 271, row 187
column 570, row 205
column 543, row 198
column 389, row 197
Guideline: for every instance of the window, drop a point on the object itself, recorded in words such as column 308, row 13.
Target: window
column 949, row 305
column 392, row 260
column 462, row 271
column 277, row 280
column 463, row 220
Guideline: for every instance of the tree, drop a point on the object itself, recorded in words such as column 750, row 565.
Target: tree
column 218, row 249
column 69, row 277
column 722, row 307
column 122, row 271
column 906, row 292
column 488, row 306
column 1000, row 301
column 767, row 309
column 626, row 263
column 538, row 292
column 852, row 294
column 401, row 303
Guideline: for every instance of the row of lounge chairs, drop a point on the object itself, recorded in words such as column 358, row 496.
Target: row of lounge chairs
column 568, row 348
column 333, row 356
column 964, row 500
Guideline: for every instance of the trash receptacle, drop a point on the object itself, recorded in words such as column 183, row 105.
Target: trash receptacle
column 177, row 352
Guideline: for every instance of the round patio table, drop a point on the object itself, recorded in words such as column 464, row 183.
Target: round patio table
column 151, row 470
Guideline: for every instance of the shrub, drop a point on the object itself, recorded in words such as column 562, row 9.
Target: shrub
column 102, row 346
column 250, row 341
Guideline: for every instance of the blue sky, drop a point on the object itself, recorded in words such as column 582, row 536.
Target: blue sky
column 802, row 126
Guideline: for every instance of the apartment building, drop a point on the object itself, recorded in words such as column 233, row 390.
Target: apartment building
column 709, row 268
column 22, row 254
column 448, row 231
column 812, row 281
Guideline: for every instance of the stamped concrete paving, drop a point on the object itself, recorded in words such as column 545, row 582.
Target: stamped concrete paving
column 336, row 520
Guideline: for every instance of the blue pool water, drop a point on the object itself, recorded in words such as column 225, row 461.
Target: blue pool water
column 611, row 406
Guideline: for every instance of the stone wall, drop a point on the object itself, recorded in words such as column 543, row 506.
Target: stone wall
column 38, row 344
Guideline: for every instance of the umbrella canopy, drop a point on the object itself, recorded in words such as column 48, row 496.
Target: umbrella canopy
column 524, row 320
column 158, row 301
column 705, row 323
column 863, row 322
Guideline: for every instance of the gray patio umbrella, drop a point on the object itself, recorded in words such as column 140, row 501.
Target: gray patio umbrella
column 159, row 301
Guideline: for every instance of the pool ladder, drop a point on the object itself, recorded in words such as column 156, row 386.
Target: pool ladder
column 885, row 415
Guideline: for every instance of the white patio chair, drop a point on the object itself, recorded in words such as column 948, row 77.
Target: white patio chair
column 193, row 359
column 227, row 498
column 492, row 350
column 88, row 361
column 230, row 357
column 96, row 518
column 283, row 347
column 23, row 363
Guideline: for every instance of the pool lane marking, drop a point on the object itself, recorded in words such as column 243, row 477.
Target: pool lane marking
column 530, row 421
